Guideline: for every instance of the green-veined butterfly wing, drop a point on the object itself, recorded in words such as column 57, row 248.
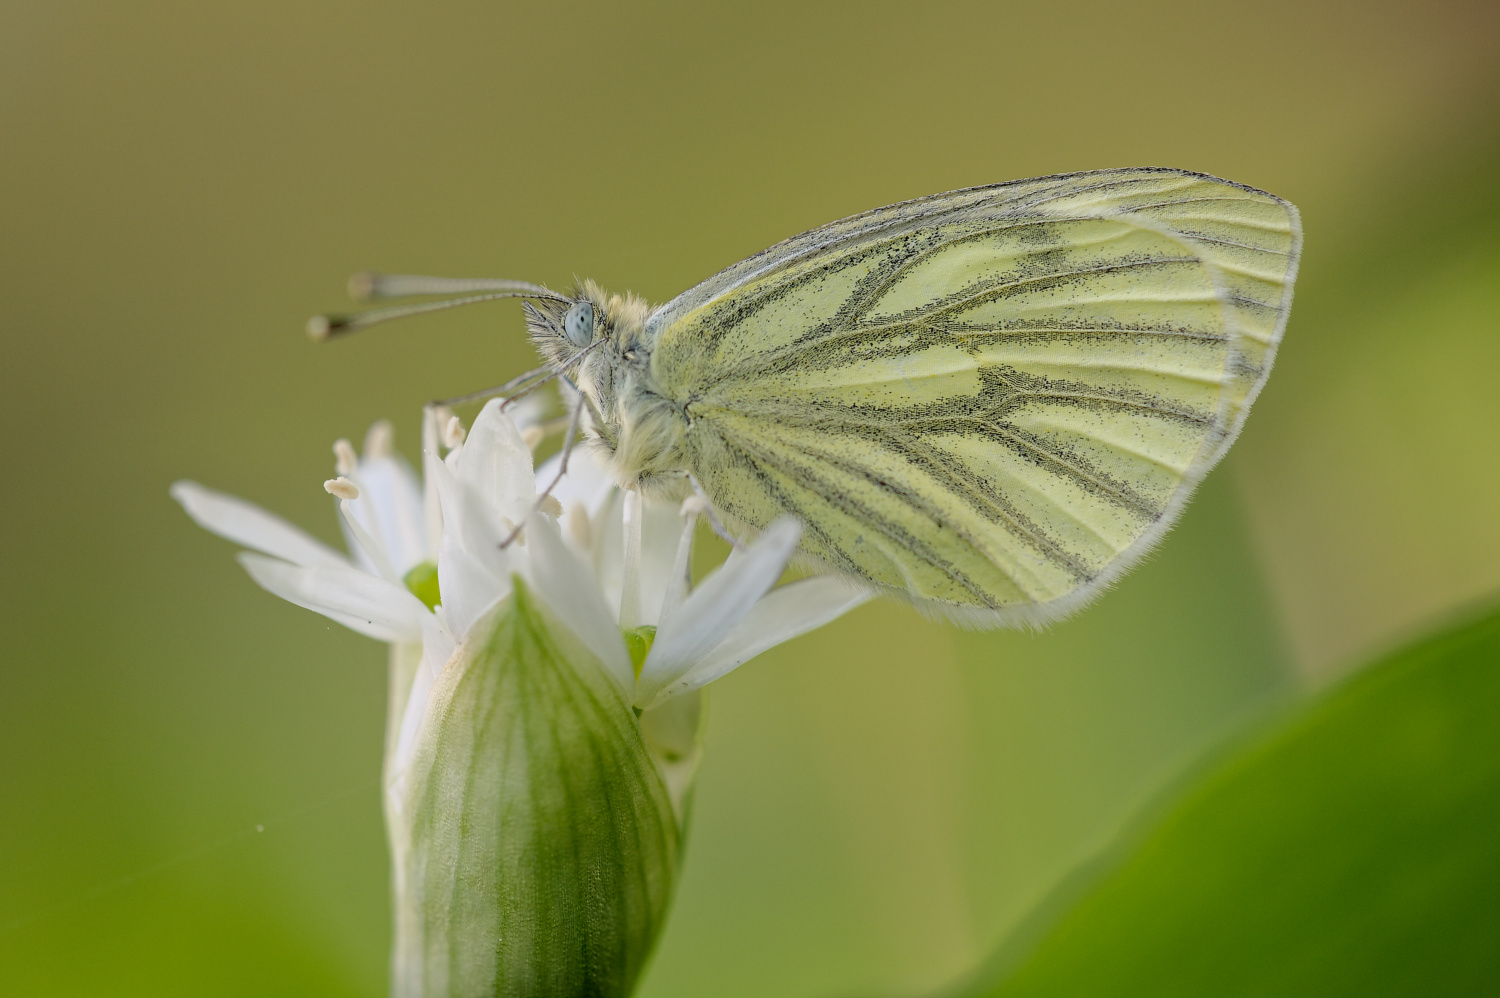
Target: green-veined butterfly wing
column 992, row 400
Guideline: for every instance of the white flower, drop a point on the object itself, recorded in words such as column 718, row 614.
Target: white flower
column 615, row 565
column 521, row 637
column 386, row 534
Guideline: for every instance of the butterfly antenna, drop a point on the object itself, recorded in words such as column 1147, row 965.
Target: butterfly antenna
column 323, row 327
column 370, row 286
column 367, row 285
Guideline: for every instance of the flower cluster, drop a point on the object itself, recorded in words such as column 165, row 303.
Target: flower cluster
column 427, row 560
column 566, row 630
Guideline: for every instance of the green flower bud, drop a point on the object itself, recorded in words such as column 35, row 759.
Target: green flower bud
column 538, row 845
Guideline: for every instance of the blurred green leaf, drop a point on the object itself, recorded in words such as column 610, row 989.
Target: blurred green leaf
column 1352, row 852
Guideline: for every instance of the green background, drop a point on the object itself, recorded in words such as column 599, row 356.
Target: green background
column 882, row 801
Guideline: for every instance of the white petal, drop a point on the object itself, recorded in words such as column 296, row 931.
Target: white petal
column 630, row 585
column 248, row 524
column 368, row 551
column 528, row 411
column 496, row 464
column 608, row 555
column 432, row 508
column 473, row 570
column 566, row 585
column 437, row 648
column 586, row 483
column 661, row 530
column 714, row 609
column 679, row 575
column 390, row 508
column 361, row 602
column 781, row 615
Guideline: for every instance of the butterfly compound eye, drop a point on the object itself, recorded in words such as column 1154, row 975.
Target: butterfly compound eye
column 578, row 324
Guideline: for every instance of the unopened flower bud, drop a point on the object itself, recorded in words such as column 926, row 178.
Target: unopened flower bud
column 540, row 843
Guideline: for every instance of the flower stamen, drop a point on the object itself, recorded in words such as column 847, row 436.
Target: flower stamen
column 344, row 458
column 453, row 432
column 577, row 525
column 512, row 531
column 380, row 441
column 342, row 488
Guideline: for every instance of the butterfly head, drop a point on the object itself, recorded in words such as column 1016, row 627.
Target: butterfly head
column 562, row 326
column 589, row 319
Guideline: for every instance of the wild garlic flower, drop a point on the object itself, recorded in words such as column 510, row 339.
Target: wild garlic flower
column 544, row 709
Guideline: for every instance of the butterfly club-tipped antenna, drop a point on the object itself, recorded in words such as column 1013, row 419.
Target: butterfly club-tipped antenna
column 370, row 286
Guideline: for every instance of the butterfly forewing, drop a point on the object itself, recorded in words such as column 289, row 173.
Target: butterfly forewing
column 991, row 400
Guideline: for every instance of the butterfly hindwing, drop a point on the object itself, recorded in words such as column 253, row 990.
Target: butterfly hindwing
column 991, row 400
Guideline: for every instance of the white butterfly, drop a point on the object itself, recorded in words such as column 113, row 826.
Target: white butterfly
column 989, row 402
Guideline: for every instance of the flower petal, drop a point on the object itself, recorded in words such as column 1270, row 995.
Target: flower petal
column 245, row 523
column 529, row 410
column 587, row 483
column 437, row 648
column 607, row 548
column 389, row 508
column 432, row 509
column 714, row 609
column 360, row 602
column 630, row 589
column 496, row 465
column 473, row 570
column 368, row 551
column 661, row 532
column 781, row 615
column 566, row 585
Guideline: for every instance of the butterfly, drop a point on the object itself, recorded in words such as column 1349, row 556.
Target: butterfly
column 989, row 402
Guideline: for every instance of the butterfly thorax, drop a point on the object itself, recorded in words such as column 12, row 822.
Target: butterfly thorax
column 634, row 428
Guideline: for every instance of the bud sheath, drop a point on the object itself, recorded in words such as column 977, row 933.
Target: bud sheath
column 536, row 845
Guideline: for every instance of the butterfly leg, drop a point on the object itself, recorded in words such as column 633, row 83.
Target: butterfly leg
column 543, row 375
column 706, row 507
column 569, row 439
column 489, row 393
